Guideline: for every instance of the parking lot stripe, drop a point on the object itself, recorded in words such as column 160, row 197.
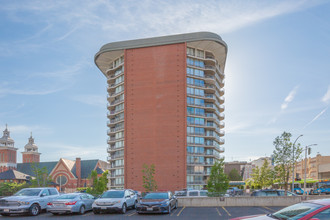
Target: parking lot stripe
column 226, row 211
column 269, row 208
column 218, row 211
column 131, row 214
column 175, row 210
column 181, row 211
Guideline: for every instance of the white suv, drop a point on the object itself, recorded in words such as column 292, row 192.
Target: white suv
column 28, row 200
column 115, row 200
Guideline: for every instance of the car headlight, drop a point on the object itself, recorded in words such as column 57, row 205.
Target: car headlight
column 23, row 203
column 165, row 203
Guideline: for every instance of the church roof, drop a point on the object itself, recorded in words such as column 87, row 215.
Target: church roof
column 27, row 167
column 86, row 167
column 13, row 175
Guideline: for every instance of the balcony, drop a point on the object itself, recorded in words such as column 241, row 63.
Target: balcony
column 114, row 112
column 112, row 130
column 114, row 121
column 222, row 108
column 222, row 124
column 222, row 99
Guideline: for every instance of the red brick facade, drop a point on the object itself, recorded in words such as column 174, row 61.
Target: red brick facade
column 7, row 156
column 155, row 115
column 31, row 158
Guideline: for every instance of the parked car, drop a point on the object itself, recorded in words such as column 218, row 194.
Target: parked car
column 234, row 191
column 312, row 209
column 28, row 200
column 115, row 200
column 272, row 192
column 157, row 202
column 71, row 203
column 197, row 193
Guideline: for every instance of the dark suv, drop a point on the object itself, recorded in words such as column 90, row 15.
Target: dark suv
column 272, row 192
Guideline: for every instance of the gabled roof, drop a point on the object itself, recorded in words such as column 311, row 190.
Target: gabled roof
column 13, row 175
column 27, row 167
column 69, row 163
column 86, row 168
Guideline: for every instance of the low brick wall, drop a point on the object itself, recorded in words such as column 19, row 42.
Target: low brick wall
column 244, row 201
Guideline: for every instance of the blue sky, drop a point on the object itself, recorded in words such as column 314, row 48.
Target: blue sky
column 277, row 70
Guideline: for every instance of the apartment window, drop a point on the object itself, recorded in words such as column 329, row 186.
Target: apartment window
column 119, row 89
column 197, row 92
column 200, row 53
column 119, row 144
column 195, row 72
column 195, row 120
column 195, row 130
column 195, row 140
column 195, row 150
column 119, row 79
column 192, row 110
column 119, row 135
column 119, row 107
column 190, row 51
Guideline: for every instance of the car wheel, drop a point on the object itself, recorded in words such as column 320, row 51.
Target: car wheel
column 123, row 208
column 82, row 210
column 169, row 209
column 96, row 212
column 135, row 204
column 34, row 210
column 176, row 205
column 54, row 213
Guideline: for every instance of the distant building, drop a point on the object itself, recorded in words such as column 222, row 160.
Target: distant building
column 7, row 152
column 14, row 176
column 68, row 174
column 31, row 153
column 238, row 165
column 165, row 102
column 317, row 167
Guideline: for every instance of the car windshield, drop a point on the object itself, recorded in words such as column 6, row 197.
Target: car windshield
column 65, row 196
column 113, row 194
column 296, row 211
column 156, row 196
column 28, row 192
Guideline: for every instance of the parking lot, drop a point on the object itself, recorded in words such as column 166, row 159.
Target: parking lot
column 180, row 213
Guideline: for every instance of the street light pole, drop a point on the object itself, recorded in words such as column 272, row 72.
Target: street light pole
column 306, row 148
column 292, row 189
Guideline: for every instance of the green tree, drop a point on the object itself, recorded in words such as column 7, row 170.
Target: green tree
column 218, row 180
column 8, row 189
column 41, row 176
column 283, row 157
column 263, row 176
column 99, row 184
column 234, row 175
column 149, row 182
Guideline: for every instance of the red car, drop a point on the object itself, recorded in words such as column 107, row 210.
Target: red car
column 308, row 210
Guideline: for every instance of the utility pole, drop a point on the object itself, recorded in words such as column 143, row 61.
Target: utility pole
column 306, row 148
column 293, row 160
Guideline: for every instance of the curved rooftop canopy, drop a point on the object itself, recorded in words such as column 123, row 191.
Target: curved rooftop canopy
column 206, row 40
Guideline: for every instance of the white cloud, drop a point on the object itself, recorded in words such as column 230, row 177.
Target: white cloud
column 326, row 97
column 289, row 98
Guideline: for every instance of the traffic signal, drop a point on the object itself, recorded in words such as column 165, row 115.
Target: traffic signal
column 309, row 150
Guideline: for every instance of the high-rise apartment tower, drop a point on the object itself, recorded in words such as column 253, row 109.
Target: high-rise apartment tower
column 165, row 102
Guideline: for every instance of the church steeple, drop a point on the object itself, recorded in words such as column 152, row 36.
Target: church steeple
column 31, row 153
column 7, row 151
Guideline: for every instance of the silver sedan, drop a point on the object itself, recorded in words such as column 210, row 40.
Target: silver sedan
column 71, row 203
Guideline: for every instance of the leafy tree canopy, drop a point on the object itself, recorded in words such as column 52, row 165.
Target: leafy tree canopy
column 218, row 180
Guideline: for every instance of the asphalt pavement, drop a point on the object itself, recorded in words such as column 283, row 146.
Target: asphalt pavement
column 204, row 213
